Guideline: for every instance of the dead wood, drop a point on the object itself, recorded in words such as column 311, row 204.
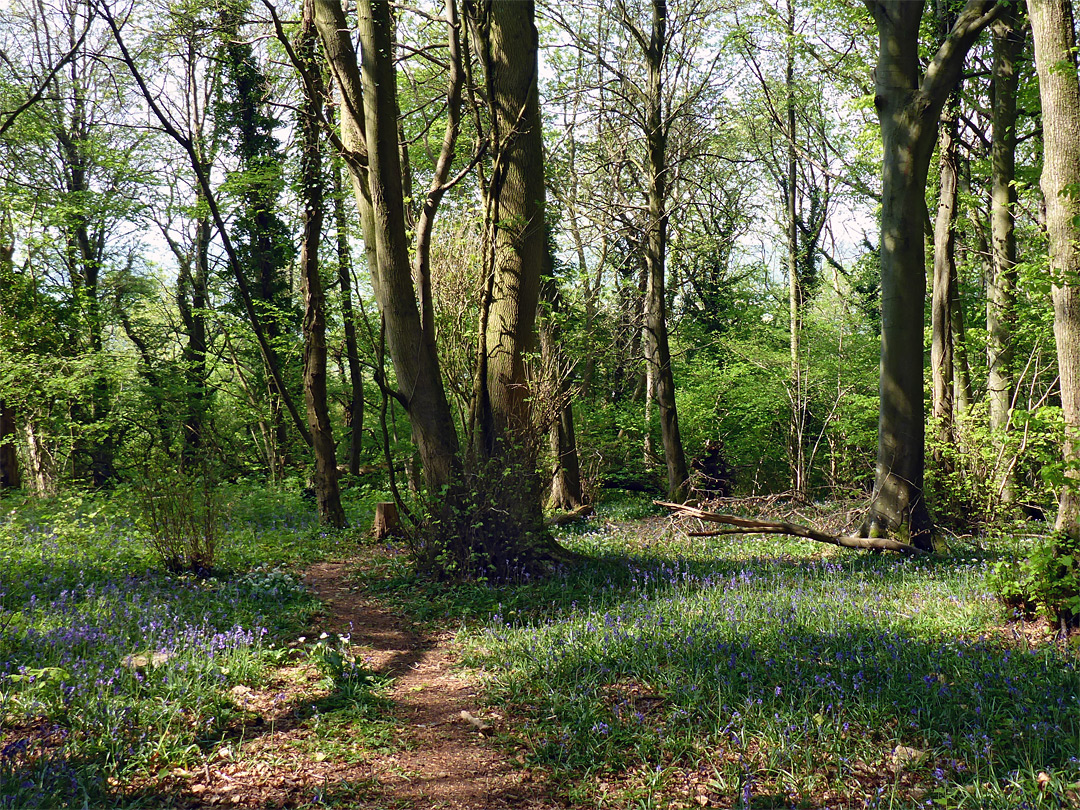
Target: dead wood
column 572, row 516
column 753, row 526
column 387, row 523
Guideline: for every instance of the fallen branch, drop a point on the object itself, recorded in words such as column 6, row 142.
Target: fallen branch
column 752, row 526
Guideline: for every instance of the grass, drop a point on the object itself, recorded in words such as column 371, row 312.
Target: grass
column 83, row 606
column 752, row 672
column 669, row 672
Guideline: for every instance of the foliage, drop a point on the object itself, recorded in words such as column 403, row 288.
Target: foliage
column 181, row 515
column 1047, row 581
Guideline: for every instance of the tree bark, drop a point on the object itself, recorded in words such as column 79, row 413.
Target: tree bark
column 908, row 103
column 566, row 475
column 1008, row 36
column 327, row 493
column 657, row 350
column 514, row 214
column 796, row 428
column 944, row 293
column 348, row 317
column 1052, row 27
column 9, row 458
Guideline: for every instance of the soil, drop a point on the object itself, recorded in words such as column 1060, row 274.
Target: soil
column 435, row 758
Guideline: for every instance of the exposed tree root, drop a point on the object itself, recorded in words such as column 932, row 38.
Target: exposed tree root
column 572, row 516
column 752, row 526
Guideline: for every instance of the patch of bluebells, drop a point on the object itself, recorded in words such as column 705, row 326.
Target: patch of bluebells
column 823, row 653
column 71, row 617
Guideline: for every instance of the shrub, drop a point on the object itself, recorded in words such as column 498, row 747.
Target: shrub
column 180, row 513
column 1047, row 581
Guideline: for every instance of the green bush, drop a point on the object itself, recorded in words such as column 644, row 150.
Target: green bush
column 180, row 514
column 1047, row 581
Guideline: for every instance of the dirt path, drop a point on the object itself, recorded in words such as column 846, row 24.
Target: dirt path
column 434, row 759
column 447, row 762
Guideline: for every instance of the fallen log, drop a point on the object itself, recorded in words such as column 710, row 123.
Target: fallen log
column 753, row 526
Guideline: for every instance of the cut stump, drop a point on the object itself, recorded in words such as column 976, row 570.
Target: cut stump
column 387, row 523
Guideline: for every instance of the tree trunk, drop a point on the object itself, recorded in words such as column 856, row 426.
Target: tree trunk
column 348, row 316
column 327, row 493
column 370, row 112
column 657, row 350
column 566, row 475
column 9, row 458
column 943, row 299
column 961, row 366
column 796, row 428
column 908, row 108
column 1001, row 284
column 514, row 212
column 1053, row 31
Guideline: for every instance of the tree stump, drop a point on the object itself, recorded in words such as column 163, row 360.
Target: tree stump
column 386, row 523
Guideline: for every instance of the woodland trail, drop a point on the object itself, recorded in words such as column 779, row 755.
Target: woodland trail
column 431, row 758
column 445, row 762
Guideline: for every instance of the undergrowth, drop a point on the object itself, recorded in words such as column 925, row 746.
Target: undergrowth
column 112, row 668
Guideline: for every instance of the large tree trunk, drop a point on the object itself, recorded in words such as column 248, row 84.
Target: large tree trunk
column 1001, row 285
column 327, row 493
column 908, row 107
column 514, row 213
column 1052, row 27
column 369, row 122
column 657, row 350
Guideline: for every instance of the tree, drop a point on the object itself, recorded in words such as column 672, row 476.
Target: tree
column 1054, row 34
column 370, row 140
column 327, row 494
column 909, row 102
column 261, row 238
column 1008, row 37
column 9, row 459
column 516, row 245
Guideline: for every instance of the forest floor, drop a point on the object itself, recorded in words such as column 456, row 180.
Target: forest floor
column 669, row 672
column 432, row 756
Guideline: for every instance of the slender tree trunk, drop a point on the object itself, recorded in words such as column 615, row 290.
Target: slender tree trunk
column 944, row 293
column 961, row 366
column 566, row 475
column 348, row 315
column 9, row 458
column 657, row 350
column 798, row 404
column 1052, row 27
column 327, row 493
column 41, row 470
column 908, row 102
column 1001, row 283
